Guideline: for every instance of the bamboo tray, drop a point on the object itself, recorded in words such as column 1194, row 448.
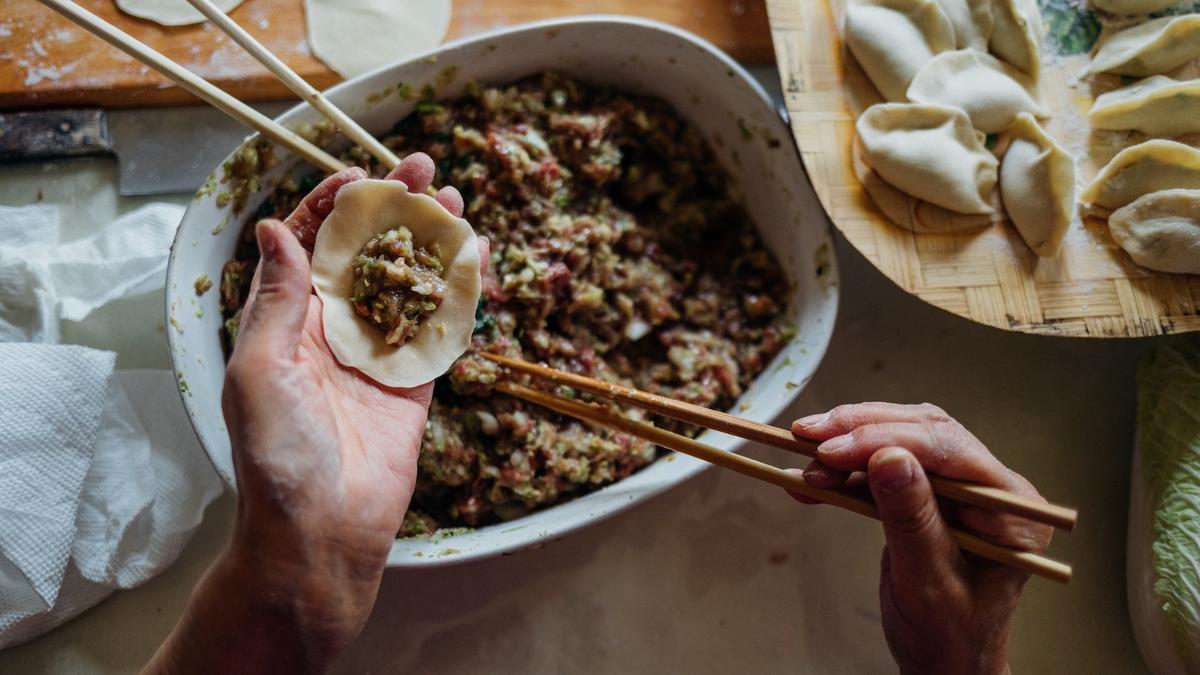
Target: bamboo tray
column 1092, row 289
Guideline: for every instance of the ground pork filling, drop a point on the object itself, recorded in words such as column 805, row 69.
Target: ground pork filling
column 618, row 251
column 397, row 285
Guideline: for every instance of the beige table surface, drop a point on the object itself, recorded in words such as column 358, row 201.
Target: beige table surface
column 720, row 575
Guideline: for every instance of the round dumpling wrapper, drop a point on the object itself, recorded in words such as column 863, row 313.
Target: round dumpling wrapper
column 171, row 12
column 362, row 210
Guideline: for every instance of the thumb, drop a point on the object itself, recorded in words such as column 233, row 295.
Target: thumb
column 278, row 302
column 919, row 544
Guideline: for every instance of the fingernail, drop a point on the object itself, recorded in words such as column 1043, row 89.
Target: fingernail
column 268, row 245
column 812, row 420
column 892, row 469
column 835, row 445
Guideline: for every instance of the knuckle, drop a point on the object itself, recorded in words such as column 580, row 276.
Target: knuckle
column 916, row 521
column 933, row 412
column 845, row 416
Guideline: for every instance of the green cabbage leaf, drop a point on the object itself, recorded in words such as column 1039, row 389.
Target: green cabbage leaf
column 1165, row 508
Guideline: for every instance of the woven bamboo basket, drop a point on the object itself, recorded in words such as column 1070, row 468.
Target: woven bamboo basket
column 988, row 274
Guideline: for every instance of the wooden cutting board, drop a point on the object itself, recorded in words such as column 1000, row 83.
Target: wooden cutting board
column 1092, row 289
column 45, row 60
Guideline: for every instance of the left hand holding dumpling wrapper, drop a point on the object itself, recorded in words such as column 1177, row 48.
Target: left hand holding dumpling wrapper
column 335, row 512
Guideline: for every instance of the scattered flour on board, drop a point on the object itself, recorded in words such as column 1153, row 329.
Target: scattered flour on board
column 37, row 74
column 6, row 29
column 65, row 35
column 38, row 48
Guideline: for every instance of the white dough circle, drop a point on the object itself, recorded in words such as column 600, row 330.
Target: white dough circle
column 356, row 36
column 362, row 210
column 170, row 12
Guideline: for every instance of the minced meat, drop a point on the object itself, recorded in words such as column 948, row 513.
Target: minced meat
column 397, row 284
column 617, row 252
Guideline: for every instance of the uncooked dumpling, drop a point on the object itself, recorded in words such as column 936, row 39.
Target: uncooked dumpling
column 930, row 152
column 1133, row 6
column 990, row 91
column 1150, row 48
column 1037, row 185
column 356, row 36
column 1156, row 106
column 1017, row 34
column 972, row 22
column 892, row 39
column 1144, row 168
column 362, row 210
column 170, row 12
column 1161, row 231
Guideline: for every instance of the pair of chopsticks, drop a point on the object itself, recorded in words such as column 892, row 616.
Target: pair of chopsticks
column 226, row 103
column 967, row 493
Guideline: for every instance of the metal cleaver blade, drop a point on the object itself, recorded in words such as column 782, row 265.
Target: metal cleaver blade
column 158, row 150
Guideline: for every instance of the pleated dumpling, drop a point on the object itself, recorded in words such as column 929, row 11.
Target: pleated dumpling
column 1150, row 48
column 930, row 152
column 1144, row 168
column 990, row 91
column 1161, row 231
column 1017, row 34
column 1155, row 106
column 892, row 39
column 1037, row 186
column 1126, row 7
column 972, row 22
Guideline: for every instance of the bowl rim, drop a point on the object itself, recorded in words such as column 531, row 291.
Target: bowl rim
column 649, row 492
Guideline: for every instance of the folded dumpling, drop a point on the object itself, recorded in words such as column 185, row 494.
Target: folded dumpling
column 990, row 91
column 1161, row 230
column 1016, row 34
column 1150, row 48
column 892, row 39
column 1133, row 6
column 972, row 22
column 1144, row 168
column 1155, row 106
column 930, row 152
column 363, row 210
column 1037, row 186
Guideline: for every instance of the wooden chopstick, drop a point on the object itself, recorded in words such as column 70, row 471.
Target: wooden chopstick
column 297, row 84
column 967, row 493
column 197, row 85
column 793, row 481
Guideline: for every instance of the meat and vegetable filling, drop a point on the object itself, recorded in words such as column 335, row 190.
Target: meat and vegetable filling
column 397, row 284
column 618, row 251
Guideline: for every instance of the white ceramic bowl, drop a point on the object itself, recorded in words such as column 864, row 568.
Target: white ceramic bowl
column 703, row 84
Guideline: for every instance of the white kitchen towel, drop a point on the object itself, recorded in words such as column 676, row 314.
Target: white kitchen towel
column 101, row 479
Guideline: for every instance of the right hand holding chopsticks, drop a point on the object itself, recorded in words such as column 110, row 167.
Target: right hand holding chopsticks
column 943, row 611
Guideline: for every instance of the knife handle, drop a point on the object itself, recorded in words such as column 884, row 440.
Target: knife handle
column 53, row 134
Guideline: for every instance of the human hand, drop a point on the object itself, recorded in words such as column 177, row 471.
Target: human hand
column 943, row 611
column 326, row 463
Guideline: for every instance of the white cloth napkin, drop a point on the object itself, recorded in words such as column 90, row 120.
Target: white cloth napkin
column 101, row 479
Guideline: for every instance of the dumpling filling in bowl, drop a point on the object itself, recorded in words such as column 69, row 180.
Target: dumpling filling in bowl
column 619, row 251
column 397, row 285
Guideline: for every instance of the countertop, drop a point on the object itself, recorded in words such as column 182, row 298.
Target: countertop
column 720, row 574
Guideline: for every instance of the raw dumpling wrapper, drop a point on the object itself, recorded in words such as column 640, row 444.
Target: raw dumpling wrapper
column 356, row 36
column 892, row 39
column 362, row 210
column 1037, row 185
column 1133, row 6
column 1144, row 168
column 1150, row 48
column 930, row 152
column 990, row 91
column 170, row 12
column 1156, row 106
column 1161, row 231
column 972, row 22
column 1016, row 34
